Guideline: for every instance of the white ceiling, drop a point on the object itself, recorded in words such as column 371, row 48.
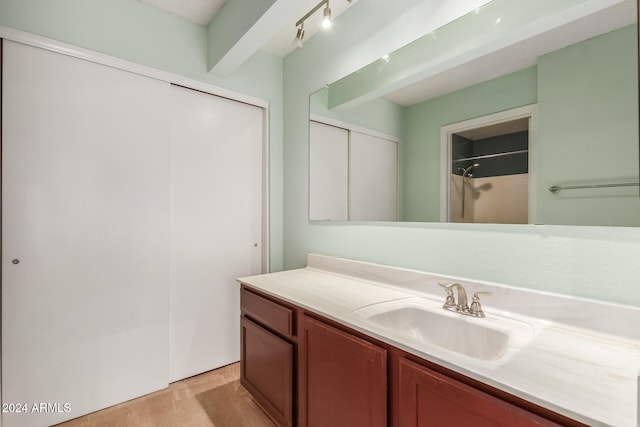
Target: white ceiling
column 199, row 11
column 202, row 12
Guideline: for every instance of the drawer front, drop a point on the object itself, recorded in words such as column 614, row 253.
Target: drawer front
column 271, row 314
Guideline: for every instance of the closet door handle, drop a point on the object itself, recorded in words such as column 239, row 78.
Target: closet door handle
column 16, row 261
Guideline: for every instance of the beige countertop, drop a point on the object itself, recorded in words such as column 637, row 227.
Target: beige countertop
column 582, row 358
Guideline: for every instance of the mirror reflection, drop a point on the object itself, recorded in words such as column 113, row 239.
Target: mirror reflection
column 498, row 117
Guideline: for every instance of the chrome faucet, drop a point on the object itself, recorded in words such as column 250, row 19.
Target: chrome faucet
column 462, row 304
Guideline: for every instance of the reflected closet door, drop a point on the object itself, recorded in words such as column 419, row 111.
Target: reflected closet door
column 373, row 178
column 216, row 225
column 328, row 172
column 85, row 249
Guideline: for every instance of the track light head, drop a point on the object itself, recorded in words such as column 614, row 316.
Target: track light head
column 326, row 20
column 299, row 35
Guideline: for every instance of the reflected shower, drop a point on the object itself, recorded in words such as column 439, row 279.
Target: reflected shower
column 466, row 173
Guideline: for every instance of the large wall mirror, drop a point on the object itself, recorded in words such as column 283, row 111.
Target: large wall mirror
column 517, row 112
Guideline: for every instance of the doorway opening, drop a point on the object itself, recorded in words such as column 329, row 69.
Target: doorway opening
column 487, row 169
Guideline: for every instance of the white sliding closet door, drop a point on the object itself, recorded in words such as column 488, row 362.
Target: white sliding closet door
column 85, row 253
column 216, row 225
column 328, row 172
column 373, row 178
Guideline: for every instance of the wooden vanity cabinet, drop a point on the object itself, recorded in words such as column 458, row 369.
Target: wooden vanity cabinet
column 342, row 378
column 305, row 370
column 427, row 398
column 267, row 358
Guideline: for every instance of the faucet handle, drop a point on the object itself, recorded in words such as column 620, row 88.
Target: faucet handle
column 448, row 286
column 475, row 294
column 476, row 309
column 450, row 301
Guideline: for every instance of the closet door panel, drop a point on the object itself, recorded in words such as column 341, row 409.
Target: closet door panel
column 328, row 172
column 373, row 178
column 216, row 225
column 85, row 249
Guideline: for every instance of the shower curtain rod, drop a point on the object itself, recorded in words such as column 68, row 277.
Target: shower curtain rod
column 488, row 156
column 555, row 189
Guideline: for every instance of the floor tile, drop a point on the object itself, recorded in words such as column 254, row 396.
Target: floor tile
column 211, row 399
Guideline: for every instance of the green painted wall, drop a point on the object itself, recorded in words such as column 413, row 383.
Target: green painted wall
column 143, row 34
column 588, row 131
column 593, row 262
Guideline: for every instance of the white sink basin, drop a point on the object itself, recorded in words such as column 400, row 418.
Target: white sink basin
column 423, row 322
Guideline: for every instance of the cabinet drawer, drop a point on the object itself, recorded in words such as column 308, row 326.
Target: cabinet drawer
column 271, row 314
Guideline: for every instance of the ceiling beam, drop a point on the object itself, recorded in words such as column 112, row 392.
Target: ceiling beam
column 242, row 27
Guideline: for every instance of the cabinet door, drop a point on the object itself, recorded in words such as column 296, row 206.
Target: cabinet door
column 428, row 398
column 342, row 378
column 267, row 371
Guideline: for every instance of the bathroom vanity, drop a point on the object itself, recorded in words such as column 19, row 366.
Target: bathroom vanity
column 344, row 342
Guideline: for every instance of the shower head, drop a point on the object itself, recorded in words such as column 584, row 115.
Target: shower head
column 465, row 172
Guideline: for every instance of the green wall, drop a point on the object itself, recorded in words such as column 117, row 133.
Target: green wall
column 593, row 262
column 137, row 32
column 588, row 131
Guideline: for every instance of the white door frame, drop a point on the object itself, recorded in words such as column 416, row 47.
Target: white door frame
column 446, row 135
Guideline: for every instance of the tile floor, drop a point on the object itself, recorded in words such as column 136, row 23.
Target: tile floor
column 214, row 398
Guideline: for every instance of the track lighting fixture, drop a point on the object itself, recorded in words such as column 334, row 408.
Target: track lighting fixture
column 326, row 20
